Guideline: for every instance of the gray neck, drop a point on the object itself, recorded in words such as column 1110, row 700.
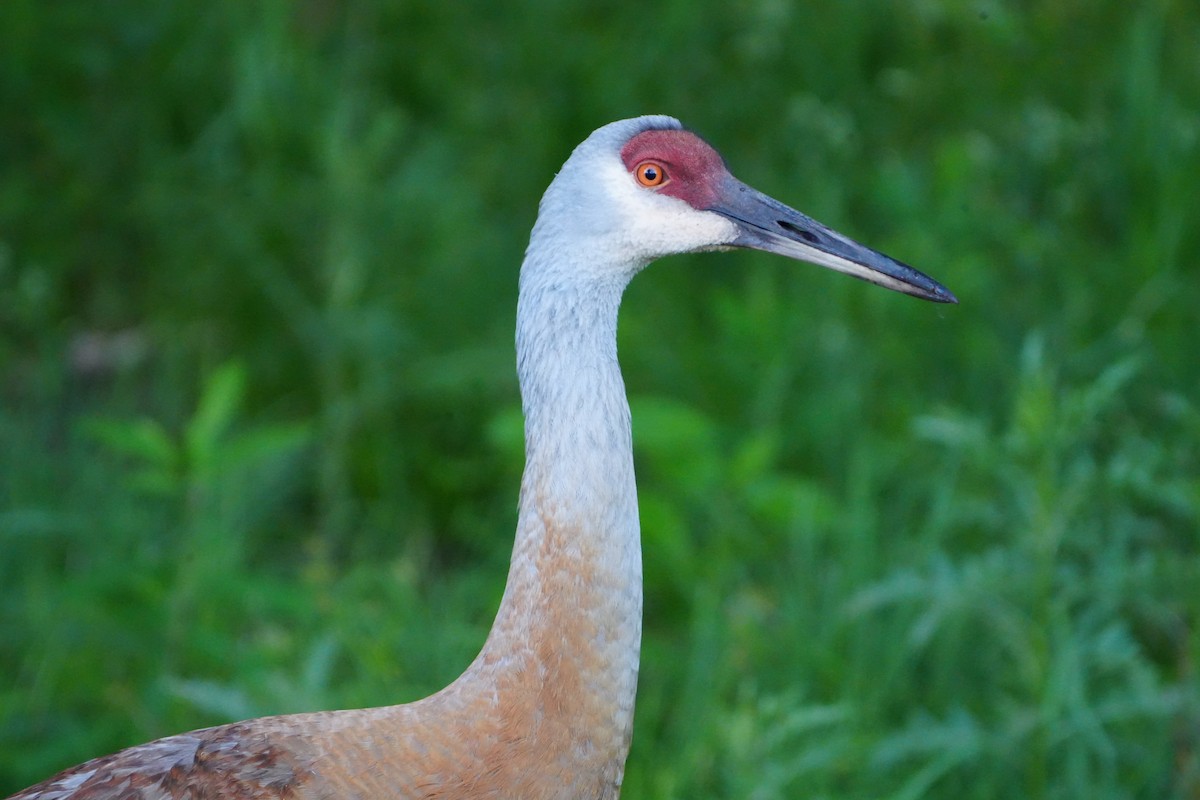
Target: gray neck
column 572, row 607
column 578, row 442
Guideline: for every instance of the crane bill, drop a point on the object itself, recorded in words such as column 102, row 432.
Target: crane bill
column 766, row 224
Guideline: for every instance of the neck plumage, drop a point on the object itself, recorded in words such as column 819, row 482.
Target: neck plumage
column 546, row 708
column 565, row 643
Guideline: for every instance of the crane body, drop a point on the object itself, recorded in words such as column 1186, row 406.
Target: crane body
column 546, row 708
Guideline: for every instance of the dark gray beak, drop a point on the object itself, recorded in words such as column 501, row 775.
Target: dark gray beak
column 766, row 224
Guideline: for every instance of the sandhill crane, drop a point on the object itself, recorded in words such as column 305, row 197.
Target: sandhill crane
column 546, row 709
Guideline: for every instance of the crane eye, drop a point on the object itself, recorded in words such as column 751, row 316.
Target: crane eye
column 651, row 173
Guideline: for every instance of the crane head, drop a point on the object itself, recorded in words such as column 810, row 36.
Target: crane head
column 650, row 188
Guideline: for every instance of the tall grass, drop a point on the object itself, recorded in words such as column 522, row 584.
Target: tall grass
column 259, row 431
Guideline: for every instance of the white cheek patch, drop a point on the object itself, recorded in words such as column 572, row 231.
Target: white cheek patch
column 659, row 225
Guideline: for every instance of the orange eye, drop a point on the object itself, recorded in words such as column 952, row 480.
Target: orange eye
column 651, row 173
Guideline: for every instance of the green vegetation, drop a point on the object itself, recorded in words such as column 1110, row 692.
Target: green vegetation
column 260, row 433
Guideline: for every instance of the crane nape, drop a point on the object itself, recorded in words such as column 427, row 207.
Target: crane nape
column 546, row 708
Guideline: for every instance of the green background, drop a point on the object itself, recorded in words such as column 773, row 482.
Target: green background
column 259, row 427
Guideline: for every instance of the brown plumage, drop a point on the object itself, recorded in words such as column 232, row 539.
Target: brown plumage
column 545, row 712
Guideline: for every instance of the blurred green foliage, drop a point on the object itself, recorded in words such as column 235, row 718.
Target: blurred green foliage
column 260, row 437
